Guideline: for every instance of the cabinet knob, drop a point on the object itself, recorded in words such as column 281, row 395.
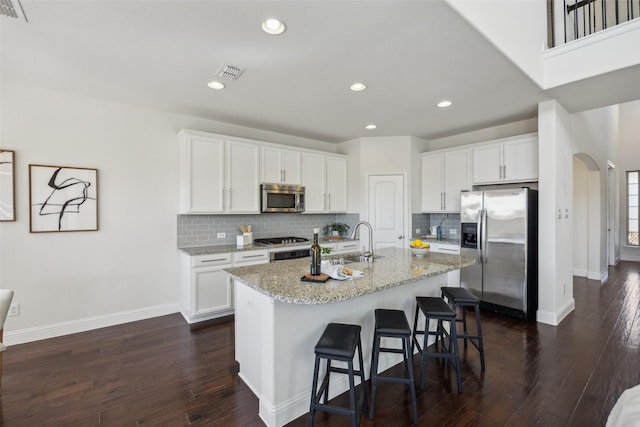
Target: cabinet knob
column 400, row 237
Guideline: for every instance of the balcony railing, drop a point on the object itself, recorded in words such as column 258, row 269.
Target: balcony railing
column 584, row 17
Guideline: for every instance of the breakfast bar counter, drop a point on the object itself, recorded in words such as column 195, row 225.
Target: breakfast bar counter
column 279, row 318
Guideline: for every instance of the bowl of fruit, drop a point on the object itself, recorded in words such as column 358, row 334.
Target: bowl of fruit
column 419, row 248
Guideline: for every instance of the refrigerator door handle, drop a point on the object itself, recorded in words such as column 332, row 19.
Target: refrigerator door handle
column 484, row 235
column 479, row 238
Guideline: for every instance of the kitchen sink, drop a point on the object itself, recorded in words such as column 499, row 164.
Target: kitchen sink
column 348, row 259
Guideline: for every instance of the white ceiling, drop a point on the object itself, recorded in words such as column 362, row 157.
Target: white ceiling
column 161, row 54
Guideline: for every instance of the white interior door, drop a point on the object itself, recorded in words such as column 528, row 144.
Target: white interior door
column 387, row 210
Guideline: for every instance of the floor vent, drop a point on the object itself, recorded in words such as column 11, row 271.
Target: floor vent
column 228, row 72
column 12, row 9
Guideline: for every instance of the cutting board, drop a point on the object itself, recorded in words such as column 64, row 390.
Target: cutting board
column 320, row 278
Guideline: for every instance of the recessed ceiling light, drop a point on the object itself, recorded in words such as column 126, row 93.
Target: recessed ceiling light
column 357, row 87
column 444, row 104
column 273, row 26
column 215, row 85
column 370, row 127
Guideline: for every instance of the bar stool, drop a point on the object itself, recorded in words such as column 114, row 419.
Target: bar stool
column 461, row 297
column 338, row 342
column 392, row 324
column 436, row 309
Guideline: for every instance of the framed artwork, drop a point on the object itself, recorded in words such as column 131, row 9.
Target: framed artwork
column 63, row 199
column 7, row 185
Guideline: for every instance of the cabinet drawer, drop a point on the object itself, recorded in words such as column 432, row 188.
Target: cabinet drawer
column 211, row 260
column 251, row 257
column 445, row 248
column 349, row 246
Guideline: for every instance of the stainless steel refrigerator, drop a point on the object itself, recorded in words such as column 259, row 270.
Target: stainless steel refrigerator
column 500, row 229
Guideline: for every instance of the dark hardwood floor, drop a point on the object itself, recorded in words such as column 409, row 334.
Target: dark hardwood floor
column 158, row 372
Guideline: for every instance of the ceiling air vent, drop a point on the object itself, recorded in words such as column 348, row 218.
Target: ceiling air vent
column 12, row 9
column 228, row 72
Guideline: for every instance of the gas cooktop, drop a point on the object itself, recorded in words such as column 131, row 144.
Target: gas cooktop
column 279, row 240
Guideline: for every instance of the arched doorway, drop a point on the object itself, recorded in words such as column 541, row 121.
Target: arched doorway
column 587, row 217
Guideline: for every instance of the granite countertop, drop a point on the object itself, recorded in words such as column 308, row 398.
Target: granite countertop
column 218, row 249
column 281, row 280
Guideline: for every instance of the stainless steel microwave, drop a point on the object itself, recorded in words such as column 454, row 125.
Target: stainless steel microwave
column 282, row 198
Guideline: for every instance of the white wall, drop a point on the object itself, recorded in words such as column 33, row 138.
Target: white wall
column 66, row 282
column 379, row 156
column 629, row 159
column 555, row 244
column 595, row 133
column 596, row 54
column 417, row 146
column 580, row 218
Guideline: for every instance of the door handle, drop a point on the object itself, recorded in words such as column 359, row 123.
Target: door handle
column 400, row 237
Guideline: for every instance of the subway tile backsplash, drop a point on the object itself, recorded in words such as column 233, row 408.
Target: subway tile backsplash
column 202, row 230
column 448, row 221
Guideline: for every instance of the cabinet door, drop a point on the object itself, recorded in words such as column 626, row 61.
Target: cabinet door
column 292, row 166
column 487, row 163
column 201, row 175
column 349, row 246
column 314, row 180
column 271, row 165
column 432, row 182
column 521, row 159
column 211, row 291
column 336, row 184
column 456, row 178
column 281, row 166
column 243, row 186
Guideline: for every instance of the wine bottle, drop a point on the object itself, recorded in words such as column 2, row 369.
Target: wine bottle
column 315, row 253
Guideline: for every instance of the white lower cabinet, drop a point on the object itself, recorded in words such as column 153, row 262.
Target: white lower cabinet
column 342, row 247
column 453, row 277
column 348, row 246
column 206, row 290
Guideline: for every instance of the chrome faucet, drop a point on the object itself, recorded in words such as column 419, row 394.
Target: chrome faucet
column 369, row 254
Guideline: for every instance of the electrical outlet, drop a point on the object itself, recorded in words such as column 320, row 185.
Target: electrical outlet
column 14, row 309
column 418, row 231
column 453, row 231
column 222, row 235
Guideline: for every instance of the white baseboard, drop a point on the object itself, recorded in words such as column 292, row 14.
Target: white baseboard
column 626, row 257
column 580, row 272
column 298, row 405
column 82, row 325
column 604, row 274
column 554, row 319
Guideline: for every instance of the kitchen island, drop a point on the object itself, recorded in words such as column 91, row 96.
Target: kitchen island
column 278, row 319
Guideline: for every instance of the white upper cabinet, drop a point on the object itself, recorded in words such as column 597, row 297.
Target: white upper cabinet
column 314, row 179
column 513, row 159
column 243, row 186
column 336, row 184
column 201, row 174
column 325, row 181
column 218, row 175
column 432, row 182
column 444, row 175
column 281, row 166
